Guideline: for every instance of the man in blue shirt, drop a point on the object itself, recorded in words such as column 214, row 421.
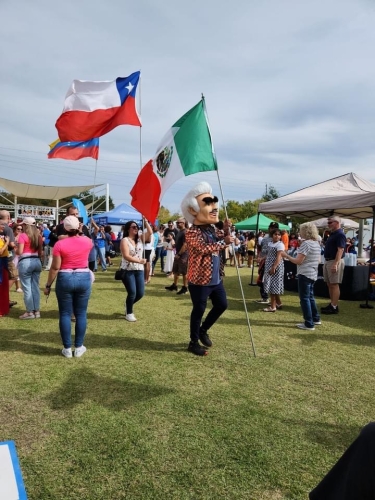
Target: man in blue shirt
column 333, row 270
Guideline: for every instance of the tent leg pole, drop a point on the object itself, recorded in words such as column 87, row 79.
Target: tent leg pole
column 367, row 305
column 256, row 239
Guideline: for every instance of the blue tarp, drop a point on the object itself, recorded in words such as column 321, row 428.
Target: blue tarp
column 119, row 215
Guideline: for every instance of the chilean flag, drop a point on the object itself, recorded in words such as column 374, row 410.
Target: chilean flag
column 74, row 150
column 93, row 109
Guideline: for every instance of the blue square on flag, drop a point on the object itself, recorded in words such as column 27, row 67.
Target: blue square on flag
column 11, row 482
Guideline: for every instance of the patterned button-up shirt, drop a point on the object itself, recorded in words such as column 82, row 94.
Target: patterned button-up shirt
column 202, row 242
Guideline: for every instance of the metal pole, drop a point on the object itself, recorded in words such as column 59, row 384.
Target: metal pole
column 226, row 216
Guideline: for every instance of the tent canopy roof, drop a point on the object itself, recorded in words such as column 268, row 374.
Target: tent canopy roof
column 119, row 215
column 44, row 192
column 251, row 223
column 347, row 195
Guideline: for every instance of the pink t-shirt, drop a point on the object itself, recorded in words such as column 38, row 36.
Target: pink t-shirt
column 74, row 252
column 23, row 238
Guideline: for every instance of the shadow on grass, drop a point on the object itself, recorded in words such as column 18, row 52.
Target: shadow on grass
column 310, row 338
column 83, row 384
column 31, row 343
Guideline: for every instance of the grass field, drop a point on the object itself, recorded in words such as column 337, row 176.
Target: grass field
column 138, row 417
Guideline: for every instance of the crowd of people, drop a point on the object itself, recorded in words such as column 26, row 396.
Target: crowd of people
column 193, row 252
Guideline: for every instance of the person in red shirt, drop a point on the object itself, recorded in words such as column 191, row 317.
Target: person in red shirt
column 205, row 267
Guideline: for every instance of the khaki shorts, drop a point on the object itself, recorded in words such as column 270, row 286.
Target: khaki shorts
column 333, row 277
column 13, row 271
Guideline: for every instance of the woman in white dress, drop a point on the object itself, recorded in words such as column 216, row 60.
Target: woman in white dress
column 168, row 265
column 273, row 280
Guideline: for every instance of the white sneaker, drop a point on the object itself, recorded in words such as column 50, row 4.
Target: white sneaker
column 67, row 352
column 79, row 351
column 302, row 326
column 19, row 290
column 317, row 322
column 130, row 317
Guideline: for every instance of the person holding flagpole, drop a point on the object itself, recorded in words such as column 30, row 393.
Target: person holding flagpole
column 205, row 267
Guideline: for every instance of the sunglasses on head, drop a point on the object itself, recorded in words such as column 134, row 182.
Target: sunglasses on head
column 209, row 201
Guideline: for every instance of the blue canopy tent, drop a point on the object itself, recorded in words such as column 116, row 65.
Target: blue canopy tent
column 119, row 216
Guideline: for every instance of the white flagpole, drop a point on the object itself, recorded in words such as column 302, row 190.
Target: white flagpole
column 93, row 193
column 226, row 216
column 140, row 150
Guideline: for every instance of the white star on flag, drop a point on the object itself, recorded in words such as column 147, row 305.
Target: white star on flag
column 130, row 87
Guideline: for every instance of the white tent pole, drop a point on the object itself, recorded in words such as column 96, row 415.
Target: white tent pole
column 107, row 198
column 15, row 209
column 57, row 212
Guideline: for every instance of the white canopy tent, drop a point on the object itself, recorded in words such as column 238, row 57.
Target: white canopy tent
column 43, row 192
column 347, row 195
column 345, row 223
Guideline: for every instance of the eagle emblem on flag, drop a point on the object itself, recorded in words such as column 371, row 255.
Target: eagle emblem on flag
column 163, row 161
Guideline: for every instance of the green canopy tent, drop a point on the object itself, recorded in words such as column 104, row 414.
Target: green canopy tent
column 251, row 224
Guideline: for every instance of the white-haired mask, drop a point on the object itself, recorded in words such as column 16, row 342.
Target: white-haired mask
column 199, row 206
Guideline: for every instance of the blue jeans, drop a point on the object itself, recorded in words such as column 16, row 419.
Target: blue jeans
column 29, row 269
column 100, row 252
column 199, row 295
column 159, row 253
column 307, row 300
column 134, row 282
column 73, row 291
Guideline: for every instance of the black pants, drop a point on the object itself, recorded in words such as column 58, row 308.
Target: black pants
column 199, row 295
column 353, row 476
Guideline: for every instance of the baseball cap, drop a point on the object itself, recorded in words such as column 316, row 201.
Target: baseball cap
column 71, row 223
column 274, row 225
column 29, row 221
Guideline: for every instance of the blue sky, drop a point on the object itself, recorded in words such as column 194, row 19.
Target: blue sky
column 288, row 87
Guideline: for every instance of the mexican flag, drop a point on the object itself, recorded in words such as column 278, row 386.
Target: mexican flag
column 186, row 149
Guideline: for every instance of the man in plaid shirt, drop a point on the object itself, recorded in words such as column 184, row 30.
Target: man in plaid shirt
column 205, row 269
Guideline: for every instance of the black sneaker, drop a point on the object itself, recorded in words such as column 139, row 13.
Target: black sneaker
column 171, row 288
column 330, row 309
column 182, row 291
column 204, row 338
column 197, row 349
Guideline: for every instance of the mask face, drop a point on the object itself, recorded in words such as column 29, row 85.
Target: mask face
column 208, row 209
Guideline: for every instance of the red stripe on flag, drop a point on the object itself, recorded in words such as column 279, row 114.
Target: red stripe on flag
column 76, row 153
column 146, row 193
column 83, row 125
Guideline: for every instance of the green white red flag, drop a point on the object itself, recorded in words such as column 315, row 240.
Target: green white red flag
column 186, row 149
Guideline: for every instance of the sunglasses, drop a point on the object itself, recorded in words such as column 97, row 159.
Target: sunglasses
column 209, row 201
column 133, row 227
column 19, row 228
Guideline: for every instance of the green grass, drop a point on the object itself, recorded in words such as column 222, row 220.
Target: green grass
column 138, row 417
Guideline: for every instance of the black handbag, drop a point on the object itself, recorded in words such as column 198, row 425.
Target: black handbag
column 119, row 274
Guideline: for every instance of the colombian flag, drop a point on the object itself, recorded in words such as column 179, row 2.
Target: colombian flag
column 74, row 150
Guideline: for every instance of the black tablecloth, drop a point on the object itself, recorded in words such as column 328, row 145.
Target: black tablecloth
column 354, row 285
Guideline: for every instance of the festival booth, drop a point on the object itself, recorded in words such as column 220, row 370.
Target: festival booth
column 119, row 216
column 346, row 196
column 251, row 224
column 40, row 213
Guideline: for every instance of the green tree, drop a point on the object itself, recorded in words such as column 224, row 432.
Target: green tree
column 270, row 193
column 164, row 215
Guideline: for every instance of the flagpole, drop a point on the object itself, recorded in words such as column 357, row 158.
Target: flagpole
column 140, row 154
column 226, row 216
column 93, row 194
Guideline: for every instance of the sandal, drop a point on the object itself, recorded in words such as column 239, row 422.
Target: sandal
column 27, row 315
column 279, row 306
column 269, row 310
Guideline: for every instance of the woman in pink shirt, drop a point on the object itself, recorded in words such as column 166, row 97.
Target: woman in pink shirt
column 73, row 285
column 30, row 249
